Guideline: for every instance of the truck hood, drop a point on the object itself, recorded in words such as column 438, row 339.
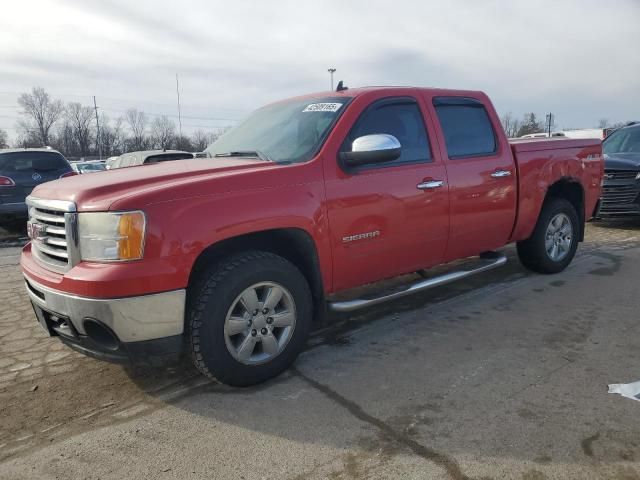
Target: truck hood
column 180, row 178
column 622, row 161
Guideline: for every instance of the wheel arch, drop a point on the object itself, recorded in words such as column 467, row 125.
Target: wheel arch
column 294, row 244
column 571, row 190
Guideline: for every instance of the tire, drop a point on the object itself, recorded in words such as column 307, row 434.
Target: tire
column 534, row 253
column 220, row 299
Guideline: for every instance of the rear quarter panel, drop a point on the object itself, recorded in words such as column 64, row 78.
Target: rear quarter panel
column 542, row 163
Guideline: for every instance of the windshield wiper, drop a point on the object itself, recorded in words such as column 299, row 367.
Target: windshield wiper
column 246, row 153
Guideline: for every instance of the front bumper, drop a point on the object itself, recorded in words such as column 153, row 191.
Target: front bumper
column 144, row 329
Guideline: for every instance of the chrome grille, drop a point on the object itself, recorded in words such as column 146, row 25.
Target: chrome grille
column 52, row 229
column 620, row 192
column 620, row 174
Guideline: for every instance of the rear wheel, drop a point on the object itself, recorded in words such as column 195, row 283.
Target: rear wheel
column 249, row 318
column 554, row 241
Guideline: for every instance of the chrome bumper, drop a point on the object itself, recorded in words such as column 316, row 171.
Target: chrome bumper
column 132, row 319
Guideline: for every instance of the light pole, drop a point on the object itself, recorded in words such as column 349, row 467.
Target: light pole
column 331, row 71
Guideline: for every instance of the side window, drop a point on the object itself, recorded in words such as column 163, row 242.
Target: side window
column 403, row 120
column 467, row 129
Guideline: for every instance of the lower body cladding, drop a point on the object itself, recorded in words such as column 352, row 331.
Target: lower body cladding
column 144, row 330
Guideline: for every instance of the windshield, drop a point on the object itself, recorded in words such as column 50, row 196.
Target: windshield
column 91, row 167
column 291, row 131
column 625, row 140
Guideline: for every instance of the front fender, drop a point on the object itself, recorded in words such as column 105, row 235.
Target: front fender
column 186, row 227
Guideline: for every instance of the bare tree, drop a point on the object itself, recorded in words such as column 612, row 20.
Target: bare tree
column 80, row 119
column 510, row 124
column 603, row 123
column 63, row 139
column 27, row 138
column 137, row 122
column 163, row 132
column 200, row 140
column 113, row 137
column 4, row 139
column 40, row 112
column 530, row 124
column 182, row 142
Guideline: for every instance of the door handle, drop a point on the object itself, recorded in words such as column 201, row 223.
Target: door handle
column 429, row 185
column 501, row 174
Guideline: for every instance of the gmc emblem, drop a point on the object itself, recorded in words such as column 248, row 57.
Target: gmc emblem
column 36, row 230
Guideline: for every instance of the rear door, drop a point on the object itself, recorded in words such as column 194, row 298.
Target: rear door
column 381, row 222
column 481, row 173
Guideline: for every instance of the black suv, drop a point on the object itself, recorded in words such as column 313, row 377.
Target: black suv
column 21, row 170
column 621, row 189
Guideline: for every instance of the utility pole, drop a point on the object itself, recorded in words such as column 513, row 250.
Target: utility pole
column 549, row 123
column 179, row 111
column 98, row 137
column 331, row 71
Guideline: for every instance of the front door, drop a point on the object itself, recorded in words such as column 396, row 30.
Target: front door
column 383, row 220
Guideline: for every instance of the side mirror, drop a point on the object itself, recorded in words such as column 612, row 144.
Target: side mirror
column 376, row 148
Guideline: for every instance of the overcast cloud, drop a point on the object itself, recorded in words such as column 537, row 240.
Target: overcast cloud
column 577, row 58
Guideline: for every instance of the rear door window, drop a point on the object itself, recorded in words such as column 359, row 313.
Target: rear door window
column 466, row 125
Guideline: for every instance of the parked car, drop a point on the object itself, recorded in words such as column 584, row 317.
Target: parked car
column 230, row 259
column 599, row 133
column 88, row 167
column 621, row 190
column 134, row 159
column 23, row 169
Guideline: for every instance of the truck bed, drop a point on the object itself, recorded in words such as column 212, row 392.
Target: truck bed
column 542, row 161
column 538, row 144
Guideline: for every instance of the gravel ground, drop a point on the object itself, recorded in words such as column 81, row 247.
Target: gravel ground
column 500, row 376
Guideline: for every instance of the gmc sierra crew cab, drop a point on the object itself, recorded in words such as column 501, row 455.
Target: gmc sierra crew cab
column 229, row 259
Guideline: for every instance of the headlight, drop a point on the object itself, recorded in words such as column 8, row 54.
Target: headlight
column 111, row 236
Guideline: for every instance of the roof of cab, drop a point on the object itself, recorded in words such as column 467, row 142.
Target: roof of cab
column 357, row 91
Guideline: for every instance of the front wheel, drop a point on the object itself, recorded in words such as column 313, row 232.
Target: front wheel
column 554, row 240
column 249, row 318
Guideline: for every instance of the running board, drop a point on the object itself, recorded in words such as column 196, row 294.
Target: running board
column 489, row 261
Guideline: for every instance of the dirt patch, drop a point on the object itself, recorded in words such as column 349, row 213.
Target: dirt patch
column 587, row 444
column 83, row 395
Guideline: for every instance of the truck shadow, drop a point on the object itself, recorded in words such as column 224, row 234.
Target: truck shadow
column 327, row 400
column 630, row 223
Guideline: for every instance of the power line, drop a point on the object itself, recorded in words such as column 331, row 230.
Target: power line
column 131, row 101
column 173, row 115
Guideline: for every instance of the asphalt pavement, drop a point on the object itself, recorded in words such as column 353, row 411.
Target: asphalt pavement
column 501, row 376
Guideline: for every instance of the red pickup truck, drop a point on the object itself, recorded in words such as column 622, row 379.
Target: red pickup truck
column 231, row 258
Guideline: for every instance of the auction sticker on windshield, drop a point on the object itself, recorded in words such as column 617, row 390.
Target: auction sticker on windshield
column 323, row 107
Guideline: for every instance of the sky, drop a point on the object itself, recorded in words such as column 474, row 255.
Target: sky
column 576, row 58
